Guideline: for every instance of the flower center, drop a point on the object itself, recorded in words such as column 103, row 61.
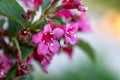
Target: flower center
column 47, row 38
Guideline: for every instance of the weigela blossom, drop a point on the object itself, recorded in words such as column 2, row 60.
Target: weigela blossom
column 46, row 40
column 37, row 3
column 74, row 4
column 82, row 20
column 5, row 65
column 70, row 33
column 32, row 3
column 44, row 60
column 64, row 13
column 83, row 23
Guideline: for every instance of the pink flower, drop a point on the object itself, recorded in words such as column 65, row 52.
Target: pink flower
column 70, row 33
column 46, row 40
column 82, row 20
column 22, row 67
column 83, row 23
column 32, row 3
column 5, row 65
column 57, row 29
column 44, row 60
column 37, row 3
column 74, row 4
column 53, row 24
column 64, row 13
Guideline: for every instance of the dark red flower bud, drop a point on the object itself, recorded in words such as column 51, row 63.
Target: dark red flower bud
column 74, row 4
column 68, row 51
column 23, row 67
column 25, row 16
column 24, row 35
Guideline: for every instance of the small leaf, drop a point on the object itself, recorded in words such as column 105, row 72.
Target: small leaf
column 25, row 51
column 12, row 10
column 87, row 49
column 11, row 72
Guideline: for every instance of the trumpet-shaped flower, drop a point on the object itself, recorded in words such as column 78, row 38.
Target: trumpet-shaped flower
column 83, row 23
column 70, row 33
column 46, row 40
column 44, row 60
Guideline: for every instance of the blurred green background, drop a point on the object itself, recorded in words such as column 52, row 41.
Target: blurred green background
column 85, row 71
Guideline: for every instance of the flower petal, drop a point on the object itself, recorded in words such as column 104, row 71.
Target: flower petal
column 28, row 4
column 29, row 60
column 84, row 23
column 5, row 65
column 73, row 39
column 47, row 28
column 68, row 51
column 45, row 64
column 58, row 33
column 68, row 25
column 37, row 38
column 54, row 47
column 37, row 3
column 42, row 49
column 64, row 13
column 67, row 39
column 73, row 28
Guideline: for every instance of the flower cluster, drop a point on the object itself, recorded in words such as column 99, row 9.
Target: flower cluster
column 42, row 39
column 48, row 40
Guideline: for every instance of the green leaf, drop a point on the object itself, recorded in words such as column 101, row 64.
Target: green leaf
column 87, row 49
column 25, row 77
column 25, row 51
column 11, row 72
column 12, row 10
column 1, row 23
column 13, row 28
column 58, row 21
column 45, row 4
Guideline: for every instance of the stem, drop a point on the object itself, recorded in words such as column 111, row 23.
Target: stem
column 23, row 26
column 43, row 14
column 32, row 17
column 17, row 46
